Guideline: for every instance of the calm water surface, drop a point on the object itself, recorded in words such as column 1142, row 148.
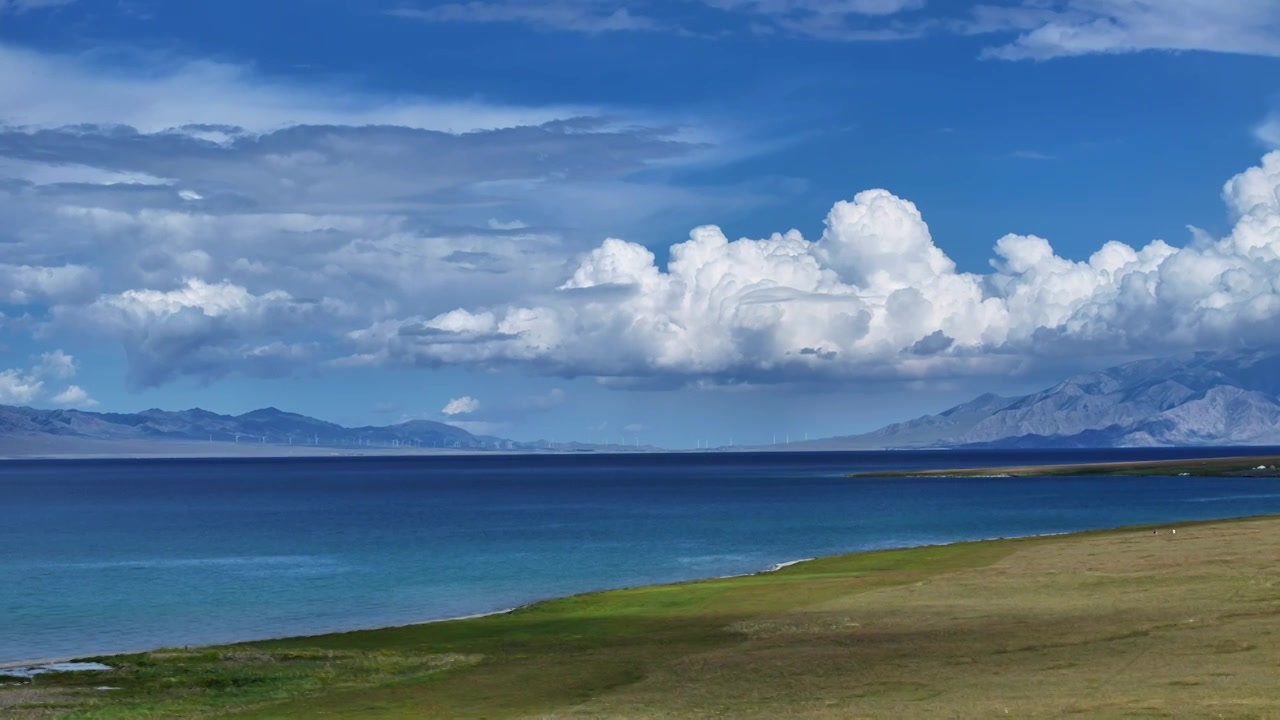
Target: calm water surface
column 102, row 556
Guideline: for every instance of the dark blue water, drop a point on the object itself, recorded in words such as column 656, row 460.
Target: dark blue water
column 101, row 556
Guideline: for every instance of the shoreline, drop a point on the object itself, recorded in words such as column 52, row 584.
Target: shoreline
column 1233, row 466
column 24, row 664
column 775, row 567
column 1024, row 627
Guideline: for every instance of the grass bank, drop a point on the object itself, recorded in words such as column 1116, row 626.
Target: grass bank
column 1104, row 624
column 1241, row 466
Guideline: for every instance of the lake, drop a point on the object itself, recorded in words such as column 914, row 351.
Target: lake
column 100, row 556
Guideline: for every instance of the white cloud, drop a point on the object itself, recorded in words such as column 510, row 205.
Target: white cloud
column 1042, row 28
column 211, row 300
column 873, row 297
column 589, row 16
column 43, row 173
column 1059, row 28
column 1268, row 131
column 74, row 396
column 830, row 19
column 205, row 96
column 21, row 387
column 18, row 387
column 24, row 284
column 213, row 220
column 204, row 329
column 394, row 216
column 21, row 6
column 56, row 365
column 464, row 405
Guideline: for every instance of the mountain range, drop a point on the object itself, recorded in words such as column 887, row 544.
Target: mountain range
column 24, row 426
column 1204, row 398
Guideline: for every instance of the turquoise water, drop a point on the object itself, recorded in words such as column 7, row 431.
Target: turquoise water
column 106, row 556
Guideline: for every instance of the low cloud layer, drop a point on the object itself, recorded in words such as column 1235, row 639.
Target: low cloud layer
column 874, row 296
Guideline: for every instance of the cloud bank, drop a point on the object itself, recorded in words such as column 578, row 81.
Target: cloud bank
column 238, row 245
column 211, row 221
column 874, row 296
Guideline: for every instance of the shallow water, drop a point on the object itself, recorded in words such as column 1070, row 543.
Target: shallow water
column 105, row 556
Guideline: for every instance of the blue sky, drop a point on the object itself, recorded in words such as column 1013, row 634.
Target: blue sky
column 481, row 212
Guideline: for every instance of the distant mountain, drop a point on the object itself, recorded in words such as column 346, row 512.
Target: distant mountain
column 267, row 426
column 1205, row 398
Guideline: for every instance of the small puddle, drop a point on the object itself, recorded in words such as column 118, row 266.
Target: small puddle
column 31, row 671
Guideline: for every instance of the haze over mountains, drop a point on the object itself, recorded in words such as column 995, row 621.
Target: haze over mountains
column 26, row 431
column 54, row 431
column 1205, row 398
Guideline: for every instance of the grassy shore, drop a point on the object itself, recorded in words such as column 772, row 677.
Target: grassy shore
column 1241, row 466
column 1122, row 623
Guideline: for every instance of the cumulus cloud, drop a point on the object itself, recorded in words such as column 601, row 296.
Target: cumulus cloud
column 212, row 220
column 874, row 296
column 1268, row 131
column 464, row 405
column 22, row 387
column 24, row 284
column 203, row 329
column 74, row 396
column 56, row 365
column 18, row 387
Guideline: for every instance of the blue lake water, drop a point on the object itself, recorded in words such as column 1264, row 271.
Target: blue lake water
column 115, row 555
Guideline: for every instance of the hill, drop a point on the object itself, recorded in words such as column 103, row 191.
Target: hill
column 1204, row 398
column 53, row 431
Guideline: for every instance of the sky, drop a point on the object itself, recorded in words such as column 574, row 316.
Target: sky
column 671, row 222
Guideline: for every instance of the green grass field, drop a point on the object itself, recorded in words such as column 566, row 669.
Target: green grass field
column 1121, row 623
